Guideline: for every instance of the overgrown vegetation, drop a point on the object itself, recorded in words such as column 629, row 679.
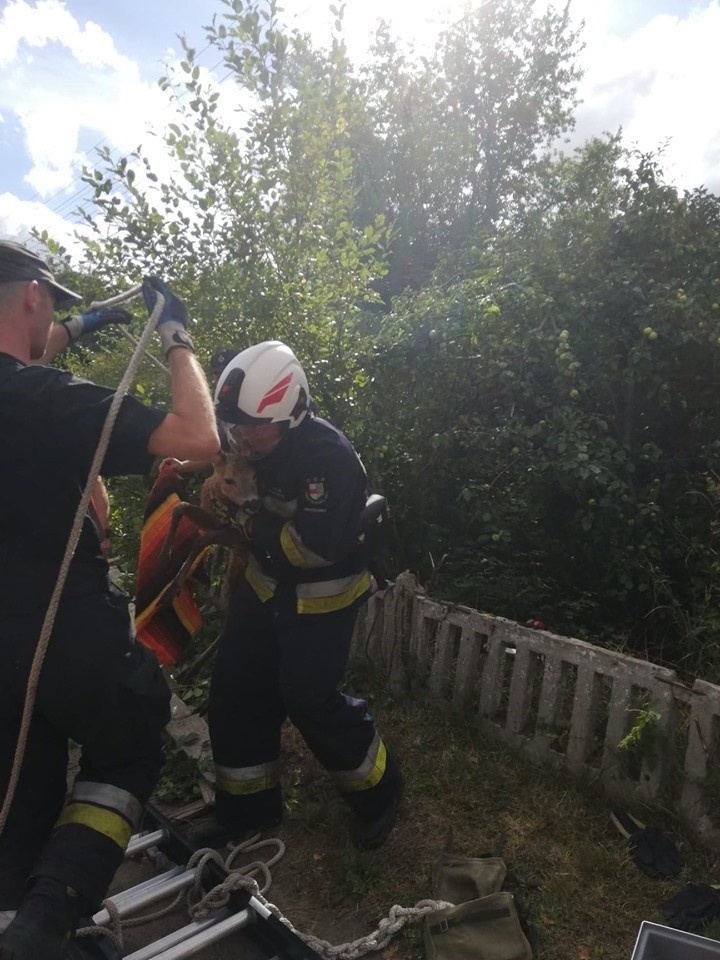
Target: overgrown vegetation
column 524, row 345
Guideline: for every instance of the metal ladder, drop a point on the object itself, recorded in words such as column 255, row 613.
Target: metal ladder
column 243, row 911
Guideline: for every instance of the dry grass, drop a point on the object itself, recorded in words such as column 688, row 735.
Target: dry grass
column 585, row 896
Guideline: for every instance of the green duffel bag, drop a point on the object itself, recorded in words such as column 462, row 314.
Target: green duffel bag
column 483, row 929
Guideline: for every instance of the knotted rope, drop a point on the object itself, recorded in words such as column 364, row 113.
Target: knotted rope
column 51, row 612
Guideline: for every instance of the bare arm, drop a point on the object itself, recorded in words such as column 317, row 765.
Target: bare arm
column 188, row 432
column 57, row 341
column 100, row 505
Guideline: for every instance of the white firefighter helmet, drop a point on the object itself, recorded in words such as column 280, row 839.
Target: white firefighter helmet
column 263, row 384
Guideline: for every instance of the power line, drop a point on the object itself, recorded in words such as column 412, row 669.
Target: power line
column 115, row 150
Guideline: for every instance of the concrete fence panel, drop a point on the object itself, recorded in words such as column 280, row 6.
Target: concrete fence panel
column 626, row 723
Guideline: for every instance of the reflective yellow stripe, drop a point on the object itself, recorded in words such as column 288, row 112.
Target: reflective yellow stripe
column 297, row 553
column 109, row 824
column 368, row 774
column 238, row 788
column 332, row 600
column 263, row 585
column 291, row 549
column 244, row 780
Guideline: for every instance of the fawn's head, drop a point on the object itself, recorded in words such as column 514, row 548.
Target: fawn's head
column 236, row 480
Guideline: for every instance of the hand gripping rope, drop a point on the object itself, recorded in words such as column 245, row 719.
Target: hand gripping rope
column 82, row 508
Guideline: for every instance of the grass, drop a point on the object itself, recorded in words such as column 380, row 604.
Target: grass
column 586, row 898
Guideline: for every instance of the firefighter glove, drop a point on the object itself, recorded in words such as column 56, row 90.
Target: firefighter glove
column 173, row 320
column 81, row 323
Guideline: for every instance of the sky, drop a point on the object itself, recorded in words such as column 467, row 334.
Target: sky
column 78, row 74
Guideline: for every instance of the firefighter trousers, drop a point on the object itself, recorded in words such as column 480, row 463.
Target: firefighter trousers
column 102, row 690
column 273, row 664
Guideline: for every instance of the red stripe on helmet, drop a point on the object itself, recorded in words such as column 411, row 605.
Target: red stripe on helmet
column 275, row 393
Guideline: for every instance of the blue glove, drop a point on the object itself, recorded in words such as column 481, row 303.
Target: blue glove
column 173, row 320
column 90, row 321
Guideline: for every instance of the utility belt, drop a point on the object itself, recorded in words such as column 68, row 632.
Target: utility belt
column 27, row 583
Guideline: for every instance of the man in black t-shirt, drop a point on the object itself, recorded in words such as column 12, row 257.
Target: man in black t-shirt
column 62, row 334
column 97, row 686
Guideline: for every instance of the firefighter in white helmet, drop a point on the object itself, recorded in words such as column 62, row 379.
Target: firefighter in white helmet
column 284, row 647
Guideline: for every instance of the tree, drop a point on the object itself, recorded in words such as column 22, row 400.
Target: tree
column 257, row 228
column 556, row 427
column 463, row 136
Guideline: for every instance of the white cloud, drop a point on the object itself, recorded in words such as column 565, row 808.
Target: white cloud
column 79, row 82
column 18, row 217
column 23, row 24
column 659, row 84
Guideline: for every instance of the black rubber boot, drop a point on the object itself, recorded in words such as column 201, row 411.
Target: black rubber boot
column 45, row 923
column 211, row 833
column 371, row 833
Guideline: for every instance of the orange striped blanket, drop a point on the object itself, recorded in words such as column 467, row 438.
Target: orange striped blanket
column 166, row 628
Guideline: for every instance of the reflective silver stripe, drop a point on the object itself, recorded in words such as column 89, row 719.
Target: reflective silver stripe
column 370, row 771
column 281, row 508
column 6, row 918
column 106, row 795
column 240, row 774
column 329, row 588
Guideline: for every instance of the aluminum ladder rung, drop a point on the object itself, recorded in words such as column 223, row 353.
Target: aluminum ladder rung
column 143, row 841
column 148, row 892
column 188, row 940
column 141, row 888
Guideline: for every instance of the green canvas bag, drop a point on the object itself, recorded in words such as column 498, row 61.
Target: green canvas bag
column 483, row 929
column 484, row 924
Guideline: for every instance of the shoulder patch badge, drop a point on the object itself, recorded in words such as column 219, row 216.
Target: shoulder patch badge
column 316, row 490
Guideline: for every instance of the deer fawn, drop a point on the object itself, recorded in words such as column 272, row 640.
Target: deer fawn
column 228, row 490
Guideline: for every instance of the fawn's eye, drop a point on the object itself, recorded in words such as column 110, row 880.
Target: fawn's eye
column 229, row 482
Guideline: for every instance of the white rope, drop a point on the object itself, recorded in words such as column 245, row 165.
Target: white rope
column 82, row 508
column 241, row 879
column 154, row 360
column 201, row 905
